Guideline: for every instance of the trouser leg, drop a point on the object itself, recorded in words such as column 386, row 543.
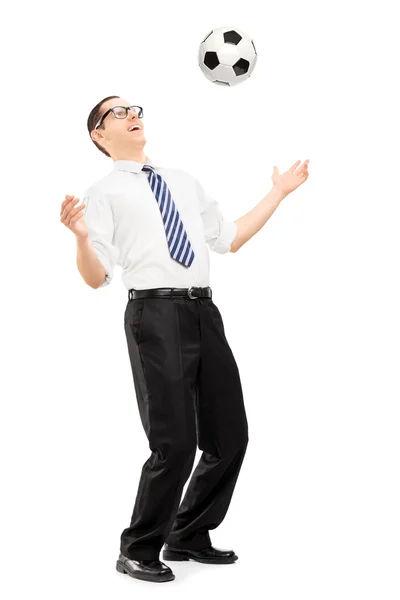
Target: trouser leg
column 222, row 435
column 163, row 342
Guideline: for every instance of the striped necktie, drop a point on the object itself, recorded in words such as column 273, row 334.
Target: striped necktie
column 177, row 239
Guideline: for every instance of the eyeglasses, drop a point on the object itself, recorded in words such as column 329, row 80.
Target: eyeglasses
column 120, row 112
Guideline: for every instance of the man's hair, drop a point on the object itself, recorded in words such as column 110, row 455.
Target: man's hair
column 94, row 116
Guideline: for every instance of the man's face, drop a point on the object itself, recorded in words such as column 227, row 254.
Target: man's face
column 116, row 135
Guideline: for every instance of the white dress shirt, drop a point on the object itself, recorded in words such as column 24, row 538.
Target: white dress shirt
column 126, row 228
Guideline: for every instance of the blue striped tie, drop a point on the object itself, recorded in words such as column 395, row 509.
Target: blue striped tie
column 178, row 242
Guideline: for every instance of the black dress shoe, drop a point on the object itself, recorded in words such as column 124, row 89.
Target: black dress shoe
column 149, row 570
column 208, row 555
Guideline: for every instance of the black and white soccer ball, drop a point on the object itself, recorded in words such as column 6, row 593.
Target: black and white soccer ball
column 227, row 56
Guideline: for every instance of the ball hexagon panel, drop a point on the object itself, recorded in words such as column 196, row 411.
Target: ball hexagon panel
column 215, row 41
column 228, row 55
column 246, row 50
column 223, row 73
column 209, row 75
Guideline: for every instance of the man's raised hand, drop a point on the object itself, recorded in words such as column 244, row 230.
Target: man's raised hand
column 72, row 216
column 290, row 180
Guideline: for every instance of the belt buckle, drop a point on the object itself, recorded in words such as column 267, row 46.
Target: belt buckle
column 190, row 293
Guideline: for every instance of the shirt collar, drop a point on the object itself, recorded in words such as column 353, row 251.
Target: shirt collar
column 132, row 165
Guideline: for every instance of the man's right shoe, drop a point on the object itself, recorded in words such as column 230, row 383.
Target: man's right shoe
column 148, row 570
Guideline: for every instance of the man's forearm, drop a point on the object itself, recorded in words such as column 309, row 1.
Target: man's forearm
column 88, row 263
column 255, row 219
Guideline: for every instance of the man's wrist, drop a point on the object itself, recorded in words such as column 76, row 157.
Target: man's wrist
column 81, row 241
column 278, row 194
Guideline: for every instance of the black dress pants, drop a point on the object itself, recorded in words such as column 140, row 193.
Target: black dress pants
column 189, row 394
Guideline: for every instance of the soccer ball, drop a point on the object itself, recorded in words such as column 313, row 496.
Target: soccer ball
column 227, row 56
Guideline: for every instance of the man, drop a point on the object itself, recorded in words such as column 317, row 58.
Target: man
column 159, row 225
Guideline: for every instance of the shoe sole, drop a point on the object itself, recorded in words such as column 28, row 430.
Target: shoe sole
column 182, row 555
column 121, row 568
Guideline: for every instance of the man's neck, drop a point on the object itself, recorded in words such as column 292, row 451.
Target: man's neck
column 139, row 157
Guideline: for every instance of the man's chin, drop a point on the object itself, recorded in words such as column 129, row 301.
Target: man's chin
column 141, row 140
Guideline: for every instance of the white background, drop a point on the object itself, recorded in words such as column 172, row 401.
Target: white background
column 310, row 303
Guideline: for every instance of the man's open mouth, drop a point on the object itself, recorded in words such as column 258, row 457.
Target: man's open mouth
column 135, row 128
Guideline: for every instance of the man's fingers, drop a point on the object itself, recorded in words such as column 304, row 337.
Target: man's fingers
column 77, row 209
column 68, row 200
column 70, row 217
column 296, row 164
column 70, row 210
column 78, row 216
column 302, row 167
column 292, row 168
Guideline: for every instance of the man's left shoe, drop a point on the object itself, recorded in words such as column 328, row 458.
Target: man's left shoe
column 208, row 555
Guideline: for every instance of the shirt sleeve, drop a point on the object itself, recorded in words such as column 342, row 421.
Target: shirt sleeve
column 219, row 232
column 100, row 223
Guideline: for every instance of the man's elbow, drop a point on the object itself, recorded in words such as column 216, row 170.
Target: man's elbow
column 99, row 285
column 105, row 281
column 95, row 285
column 96, row 282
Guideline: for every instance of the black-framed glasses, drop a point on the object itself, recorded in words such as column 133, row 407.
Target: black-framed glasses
column 120, row 112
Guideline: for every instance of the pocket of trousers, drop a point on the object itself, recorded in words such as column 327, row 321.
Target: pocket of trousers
column 134, row 316
column 218, row 318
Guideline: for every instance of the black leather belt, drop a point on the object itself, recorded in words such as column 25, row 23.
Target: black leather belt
column 192, row 293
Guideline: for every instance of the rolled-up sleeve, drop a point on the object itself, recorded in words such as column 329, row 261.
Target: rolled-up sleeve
column 100, row 223
column 219, row 232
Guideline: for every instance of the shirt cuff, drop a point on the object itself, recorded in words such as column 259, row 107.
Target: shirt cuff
column 105, row 264
column 227, row 235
